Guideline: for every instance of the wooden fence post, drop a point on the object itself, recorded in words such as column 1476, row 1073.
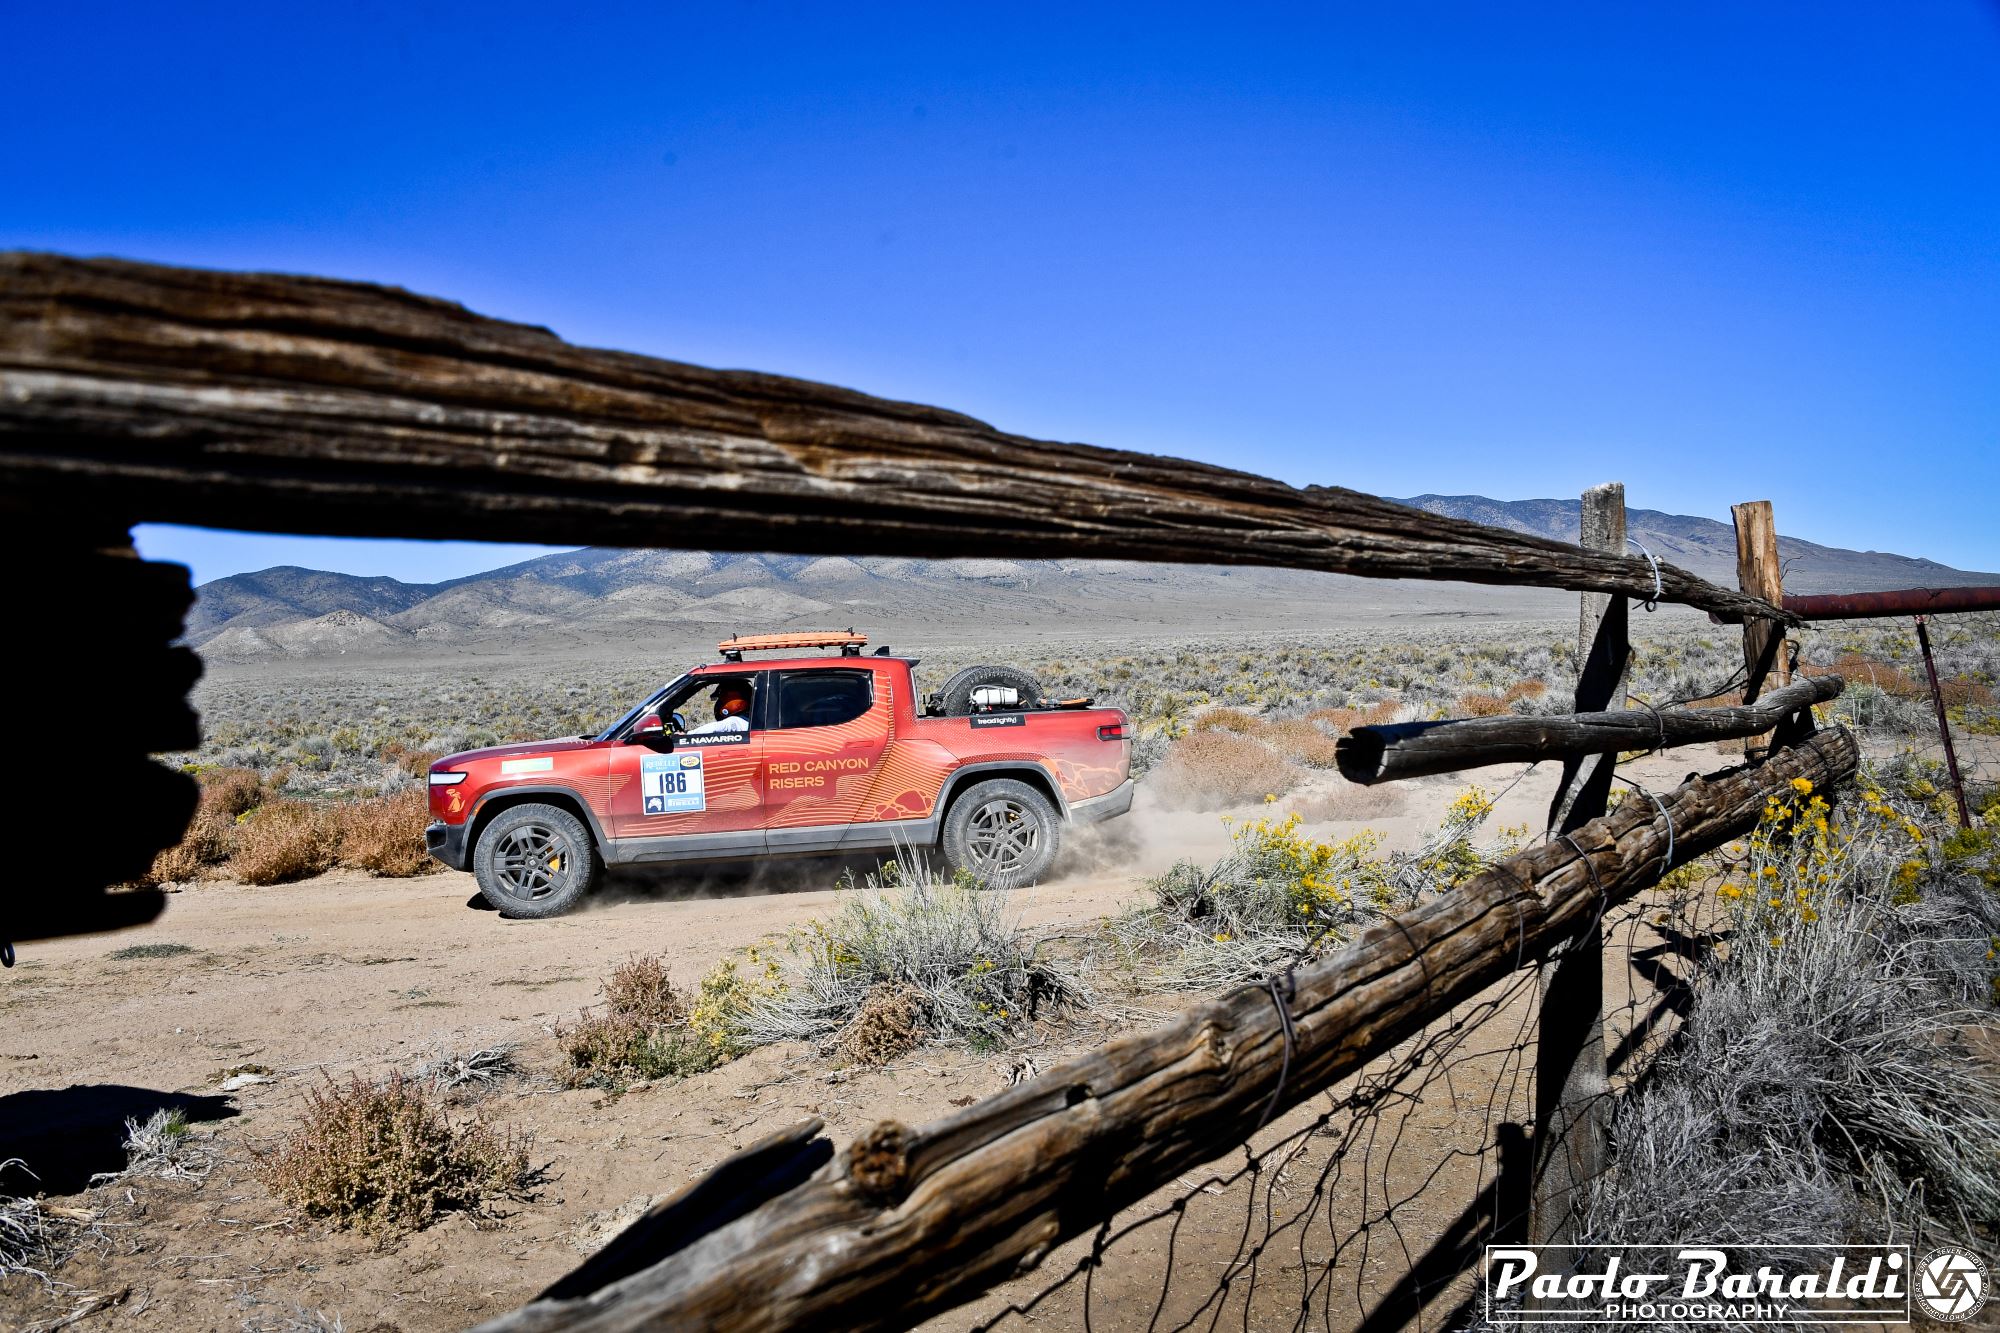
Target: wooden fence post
column 1758, row 571
column 1570, row 1081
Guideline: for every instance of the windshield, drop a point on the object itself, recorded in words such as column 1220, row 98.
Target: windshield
column 649, row 702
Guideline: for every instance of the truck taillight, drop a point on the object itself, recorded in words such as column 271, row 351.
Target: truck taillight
column 1114, row 732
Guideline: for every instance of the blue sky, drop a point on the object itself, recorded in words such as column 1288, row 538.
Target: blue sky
column 1719, row 252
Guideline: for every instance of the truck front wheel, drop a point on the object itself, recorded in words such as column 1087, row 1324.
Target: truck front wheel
column 1002, row 832
column 534, row 861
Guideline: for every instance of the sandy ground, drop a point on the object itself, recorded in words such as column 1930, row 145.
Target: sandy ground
column 346, row 973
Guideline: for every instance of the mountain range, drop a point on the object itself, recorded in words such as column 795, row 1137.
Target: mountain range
column 610, row 594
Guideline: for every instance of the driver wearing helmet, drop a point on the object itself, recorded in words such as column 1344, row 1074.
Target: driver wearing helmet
column 732, row 709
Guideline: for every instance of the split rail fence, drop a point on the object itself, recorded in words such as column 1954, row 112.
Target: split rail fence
column 133, row 392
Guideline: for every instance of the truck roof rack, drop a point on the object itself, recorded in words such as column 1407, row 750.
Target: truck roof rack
column 849, row 643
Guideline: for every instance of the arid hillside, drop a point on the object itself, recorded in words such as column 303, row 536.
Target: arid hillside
column 607, row 596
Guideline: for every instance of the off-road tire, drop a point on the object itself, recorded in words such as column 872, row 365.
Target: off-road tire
column 535, row 861
column 955, row 697
column 1002, row 832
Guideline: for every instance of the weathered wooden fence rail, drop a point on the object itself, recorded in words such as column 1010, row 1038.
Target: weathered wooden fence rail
column 1386, row 753
column 906, row 1222
column 308, row 405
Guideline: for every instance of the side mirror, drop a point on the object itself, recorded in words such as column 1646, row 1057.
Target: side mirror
column 680, row 723
column 651, row 731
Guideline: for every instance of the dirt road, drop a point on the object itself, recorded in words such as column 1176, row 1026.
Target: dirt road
column 346, row 973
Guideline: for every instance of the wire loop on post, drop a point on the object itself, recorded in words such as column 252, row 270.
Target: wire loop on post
column 1651, row 603
column 1282, row 990
column 1658, row 722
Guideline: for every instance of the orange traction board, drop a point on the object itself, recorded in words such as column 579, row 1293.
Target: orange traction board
column 732, row 649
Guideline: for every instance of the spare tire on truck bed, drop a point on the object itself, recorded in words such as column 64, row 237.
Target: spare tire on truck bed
column 954, row 698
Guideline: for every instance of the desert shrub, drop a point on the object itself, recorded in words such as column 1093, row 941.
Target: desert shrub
column 415, row 762
column 1280, row 894
column 640, row 987
column 164, row 1146
column 282, row 841
column 37, row 1236
column 227, row 794
column 945, row 946
column 889, row 1024
column 1212, row 770
column 1822, row 1088
column 1347, row 719
column 1228, row 719
column 203, row 847
column 1482, row 705
column 1300, row 741
column 460, row 1073
column 1958, row 691
column 611, row 1050
column 385, row 1159
column 232, row 791
column 640, row 1033
column 384, row 835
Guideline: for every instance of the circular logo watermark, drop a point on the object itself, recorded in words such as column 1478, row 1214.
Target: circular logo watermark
column 1952, row 1285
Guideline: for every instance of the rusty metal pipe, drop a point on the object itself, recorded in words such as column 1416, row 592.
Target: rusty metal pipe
column 1903, row 602
column 1944, row 728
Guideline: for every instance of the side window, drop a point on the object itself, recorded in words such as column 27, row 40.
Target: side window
column 714, row 703
column 823, row 698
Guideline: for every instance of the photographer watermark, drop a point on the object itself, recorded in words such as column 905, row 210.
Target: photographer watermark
column 1952, row 1284
column 1810, row 1284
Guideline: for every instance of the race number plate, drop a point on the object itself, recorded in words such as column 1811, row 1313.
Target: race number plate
column 670, row 784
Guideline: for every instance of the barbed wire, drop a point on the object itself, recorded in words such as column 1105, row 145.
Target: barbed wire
column 1366, row 1208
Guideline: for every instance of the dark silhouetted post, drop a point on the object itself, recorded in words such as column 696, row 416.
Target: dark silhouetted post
column 1570, row 1084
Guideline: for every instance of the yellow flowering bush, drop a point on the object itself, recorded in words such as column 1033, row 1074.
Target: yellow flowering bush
column 1804, row 852
column 725, row 998
column 1280, row 892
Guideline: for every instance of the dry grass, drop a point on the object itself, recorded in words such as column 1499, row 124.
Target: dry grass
column 455, row 1074
column 1212, row 770
column 226, row 795
column 1300, row 741
column 416, row 762
column 1347, row 719
column 195, row 856
column 36, row 1236
column 232, row 791
column 243, row 826
column 164, row 1146
column 640, row 987
column 1860, row 669
column 640, row 1034
column 283, row 841
column 385, row 835
column 890, row 1024
column 1228, row 719
column 384, row 1159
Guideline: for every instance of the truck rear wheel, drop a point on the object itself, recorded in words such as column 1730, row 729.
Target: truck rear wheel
column 535, row 860
column 1002, row 832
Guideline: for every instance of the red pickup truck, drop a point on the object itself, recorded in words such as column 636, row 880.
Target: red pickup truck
column 797, row 755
